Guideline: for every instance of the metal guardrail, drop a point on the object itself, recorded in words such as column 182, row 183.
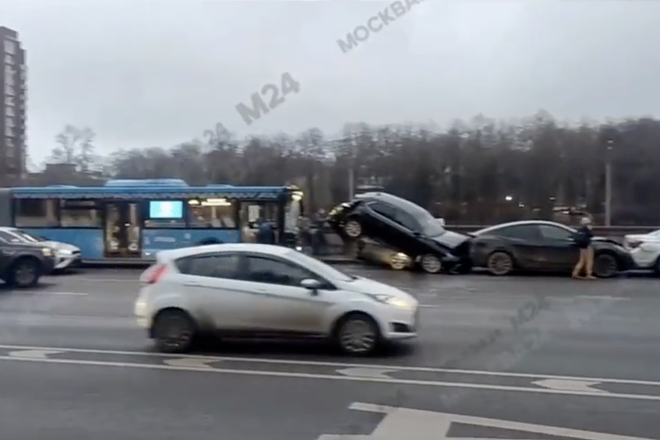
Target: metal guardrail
column 607, row 231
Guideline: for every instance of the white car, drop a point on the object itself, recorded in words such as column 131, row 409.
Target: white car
column 66, row 255
column 645, row 250
column 269, row 291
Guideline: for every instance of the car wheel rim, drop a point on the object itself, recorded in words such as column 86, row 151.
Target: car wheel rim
column 499, row 264
column 431, row 264
column 357, row 336
column 176, row 333
column 25, row 274
column 353, row 229
column 398, row 263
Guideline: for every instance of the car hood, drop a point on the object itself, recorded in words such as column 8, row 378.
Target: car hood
column 451, row 239
column 365, row 285
column 60, row 246
column 598, row 239
column 25, row 245
column 641, row 237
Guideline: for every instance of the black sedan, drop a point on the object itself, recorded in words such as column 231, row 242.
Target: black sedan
column 404, row 227
column 542, row 246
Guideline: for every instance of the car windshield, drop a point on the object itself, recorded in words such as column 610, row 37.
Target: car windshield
column 432, row 227
column 28, row 237
column 319, row 267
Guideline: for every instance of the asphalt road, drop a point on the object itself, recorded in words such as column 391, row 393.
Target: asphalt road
column 520, row 358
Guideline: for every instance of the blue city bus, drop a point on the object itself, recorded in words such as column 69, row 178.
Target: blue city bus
column 131, row 220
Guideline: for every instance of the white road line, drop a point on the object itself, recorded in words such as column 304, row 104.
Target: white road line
column 62, row 293
column 263, row 373
column 399, row 422
column 106, row 280
column 340, row 365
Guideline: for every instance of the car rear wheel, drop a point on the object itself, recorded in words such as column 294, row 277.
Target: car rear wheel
column 353, row 229
column 398, row 262
column 25, row 272
column 430, row 264
column 499, row 263
column 173, row 331
column 605, row 266
column 357, row 334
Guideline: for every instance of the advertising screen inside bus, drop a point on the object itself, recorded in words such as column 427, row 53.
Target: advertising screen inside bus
column 166, row 209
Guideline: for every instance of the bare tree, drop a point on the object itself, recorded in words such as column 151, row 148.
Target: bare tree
column 479, row 171
column 75, row 146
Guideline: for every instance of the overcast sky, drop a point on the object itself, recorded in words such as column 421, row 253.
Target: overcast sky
column 158, row 73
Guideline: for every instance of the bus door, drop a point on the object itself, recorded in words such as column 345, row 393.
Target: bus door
column 122, row 230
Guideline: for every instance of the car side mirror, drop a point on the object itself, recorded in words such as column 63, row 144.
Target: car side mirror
column 311, row 284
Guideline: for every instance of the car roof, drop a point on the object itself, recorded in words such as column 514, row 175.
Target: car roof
column 520, row 223
column 174, row 254
column 391, row 199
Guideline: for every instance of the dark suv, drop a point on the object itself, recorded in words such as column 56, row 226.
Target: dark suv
column 23, row 264
column 405, row 226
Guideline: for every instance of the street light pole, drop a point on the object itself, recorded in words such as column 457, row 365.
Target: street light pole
column 608, row 183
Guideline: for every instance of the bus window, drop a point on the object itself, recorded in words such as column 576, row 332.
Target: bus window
column 79, row 214
column 211, row 213
column 252, row 212
column 35, row 213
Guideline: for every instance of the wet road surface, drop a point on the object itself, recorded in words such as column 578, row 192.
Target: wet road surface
column 543, row 352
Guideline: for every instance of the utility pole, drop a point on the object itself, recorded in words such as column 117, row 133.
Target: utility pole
column 608, row 183
column 351, row 181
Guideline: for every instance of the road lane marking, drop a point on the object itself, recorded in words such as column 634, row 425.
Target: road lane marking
column 66, row 293
column 107, row 280
column 33, row 354
column 189, row 362
column 290, row 375
column 399, row 422
column 367, row 372
column 402, row 368
column 575, row 385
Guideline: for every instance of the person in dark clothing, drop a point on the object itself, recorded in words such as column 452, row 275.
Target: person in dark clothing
column 582, row 240
column 266, row 233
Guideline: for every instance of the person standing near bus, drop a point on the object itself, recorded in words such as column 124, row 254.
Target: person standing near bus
column 582, row 239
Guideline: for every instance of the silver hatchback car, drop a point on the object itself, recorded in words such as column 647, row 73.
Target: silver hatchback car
column 266, row 291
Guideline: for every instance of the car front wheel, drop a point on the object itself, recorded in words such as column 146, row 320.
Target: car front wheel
column 173, row 331
column 353, row 229
column 605, row 266
column 430, row 264
column 357, row 334
column 24, row 273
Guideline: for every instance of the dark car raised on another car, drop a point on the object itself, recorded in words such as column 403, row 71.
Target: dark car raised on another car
column 542, row 246
column 405, row 227
column 23, row 263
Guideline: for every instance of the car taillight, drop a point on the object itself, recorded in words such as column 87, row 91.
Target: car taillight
column 156, row 274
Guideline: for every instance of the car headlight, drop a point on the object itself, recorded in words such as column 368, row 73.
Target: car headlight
column 48, row 252
column 64, row 252
column 394, row 301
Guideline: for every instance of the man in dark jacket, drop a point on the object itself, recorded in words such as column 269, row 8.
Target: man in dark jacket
column 582, row 240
